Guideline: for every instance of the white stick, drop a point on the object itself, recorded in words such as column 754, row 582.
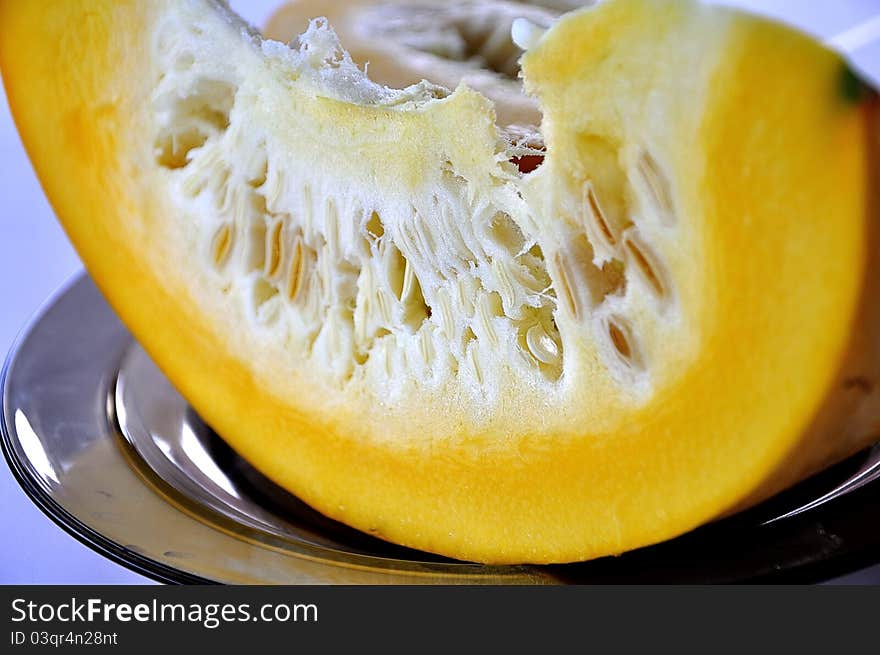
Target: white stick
column 856, row 38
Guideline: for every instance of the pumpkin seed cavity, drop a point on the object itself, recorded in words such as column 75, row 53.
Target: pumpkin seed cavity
column 360, row 288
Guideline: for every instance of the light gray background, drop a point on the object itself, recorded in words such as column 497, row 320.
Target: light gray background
column 35, row 258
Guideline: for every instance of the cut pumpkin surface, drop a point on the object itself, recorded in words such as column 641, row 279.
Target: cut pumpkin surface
column 675, row 316
column 406, row 41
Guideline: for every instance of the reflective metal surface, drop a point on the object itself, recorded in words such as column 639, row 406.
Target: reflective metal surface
column 103, row 443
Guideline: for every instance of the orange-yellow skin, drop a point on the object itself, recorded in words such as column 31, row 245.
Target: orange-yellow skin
column 790, row 231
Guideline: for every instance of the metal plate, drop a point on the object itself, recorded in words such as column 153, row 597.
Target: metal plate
column 103, row 444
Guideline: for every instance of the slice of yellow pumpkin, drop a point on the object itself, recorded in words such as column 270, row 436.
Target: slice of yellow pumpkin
column 674, row 316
